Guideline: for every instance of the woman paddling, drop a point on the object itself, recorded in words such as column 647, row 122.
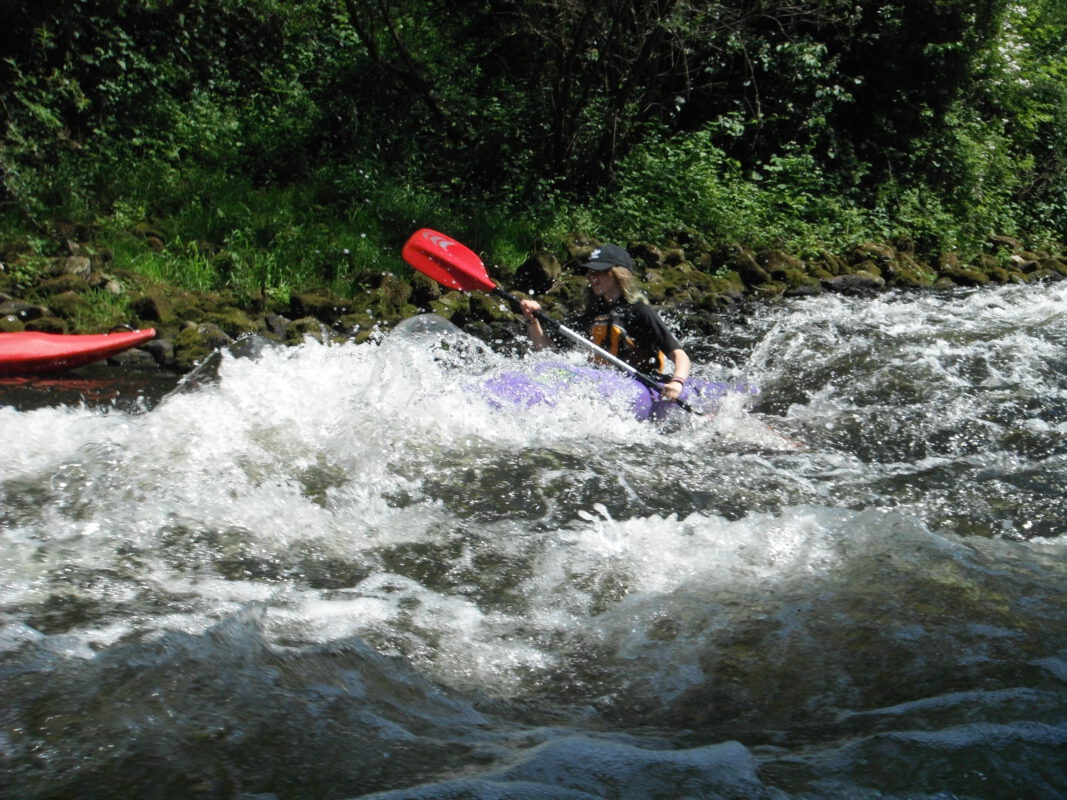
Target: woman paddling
column 619, row 319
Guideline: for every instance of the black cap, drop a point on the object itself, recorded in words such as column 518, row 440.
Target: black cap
column 606, row 257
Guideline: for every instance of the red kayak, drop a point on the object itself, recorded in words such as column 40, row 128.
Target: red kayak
column 27, row 352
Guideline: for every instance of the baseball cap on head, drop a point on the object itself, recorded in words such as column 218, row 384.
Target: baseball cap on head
column 608, row 256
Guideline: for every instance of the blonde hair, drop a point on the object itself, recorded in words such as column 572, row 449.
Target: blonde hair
column 627, row 283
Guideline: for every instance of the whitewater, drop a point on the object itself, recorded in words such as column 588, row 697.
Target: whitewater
column 341, row 571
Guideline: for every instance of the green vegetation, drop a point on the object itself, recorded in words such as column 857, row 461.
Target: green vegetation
column 264, row 147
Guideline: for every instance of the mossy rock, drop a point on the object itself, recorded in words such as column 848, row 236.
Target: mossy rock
column 299, row 329
column 235, row 322
column 567, row 294
column 454, row 306
column 1056, row 265
column 489, row 308
column 48, row 324
column 72, row 265
column 1043, row 275
column 769, row 290
column 359, row 324
column 321, row 304
column 9, row 323
column 906, row 272
column 364, row 334
column 723, row 292
column 965, row 276
column 211, row 302
column 799, row 282
column 424, row 290
column 866, row 268
column 154, row 305
column 646, row 254
column 538, row 273
column 674, row 281
column 195, row 342
column 997, row 274
column 674, row 257
column 742, row 261
column 655, row 285
column 819, row 270
column 390, row 299
column 683, row 297
column 830, row 262
column 692, row 240
column 24, row 312
column 69, row 305
column 394, row 290
column 779, row 263
column 62, row 283
column 579, row 245
column 860, row 283
column 876, row 252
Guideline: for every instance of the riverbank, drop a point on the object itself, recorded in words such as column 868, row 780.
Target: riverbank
column 86, row 291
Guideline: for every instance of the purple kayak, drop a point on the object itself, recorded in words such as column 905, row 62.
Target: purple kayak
column 546, row 382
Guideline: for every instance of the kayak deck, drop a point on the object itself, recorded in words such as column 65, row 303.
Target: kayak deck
column 546, row 382
column 31, row 352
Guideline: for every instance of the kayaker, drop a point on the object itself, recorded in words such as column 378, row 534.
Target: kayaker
column 618, row 318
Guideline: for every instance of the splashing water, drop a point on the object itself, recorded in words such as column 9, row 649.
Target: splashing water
column 339, row 571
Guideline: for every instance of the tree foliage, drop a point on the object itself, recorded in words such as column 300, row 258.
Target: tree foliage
column 808, row 118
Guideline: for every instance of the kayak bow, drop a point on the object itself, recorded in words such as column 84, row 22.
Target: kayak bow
column 31, row 352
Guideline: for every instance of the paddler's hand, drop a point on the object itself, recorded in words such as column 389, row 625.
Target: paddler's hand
column 671, row 391
column 529, row 310
column 533, row 325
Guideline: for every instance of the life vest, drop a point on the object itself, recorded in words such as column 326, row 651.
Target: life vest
column 607, row 333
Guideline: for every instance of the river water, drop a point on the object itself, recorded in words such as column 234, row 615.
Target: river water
column 338, row 572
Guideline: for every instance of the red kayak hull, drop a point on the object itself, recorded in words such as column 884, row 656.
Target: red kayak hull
column 29, row 352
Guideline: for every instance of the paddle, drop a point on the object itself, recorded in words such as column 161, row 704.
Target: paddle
column 458, row 267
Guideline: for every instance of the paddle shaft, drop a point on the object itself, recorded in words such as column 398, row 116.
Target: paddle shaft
column 577, row 338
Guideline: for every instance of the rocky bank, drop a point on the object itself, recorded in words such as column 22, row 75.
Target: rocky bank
column 697, row 280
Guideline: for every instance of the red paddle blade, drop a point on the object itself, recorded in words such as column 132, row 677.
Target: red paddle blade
column 446, row 261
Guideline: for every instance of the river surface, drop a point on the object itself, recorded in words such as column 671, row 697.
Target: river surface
column 341, row 572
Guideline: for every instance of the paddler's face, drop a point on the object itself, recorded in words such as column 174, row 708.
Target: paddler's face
column 603, row 284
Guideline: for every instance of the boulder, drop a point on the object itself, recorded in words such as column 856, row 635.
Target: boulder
column 647, row 254
column 454, row 306
column 489, row 308
column 1055, row 265
column 319, row 303
column 858, row 283
column 48, row 324
column 905, row 271
column 742, row 261
column 197, row 341
column 313, row 327
column 537, row 274
column 154, row 305
column 162, row 351
column 964, row 276
column 424, row 290
column 78, row 265
column 24, row 312
column 67, row 282
column 234, row 322
column 69, row 305
column 778, row 264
